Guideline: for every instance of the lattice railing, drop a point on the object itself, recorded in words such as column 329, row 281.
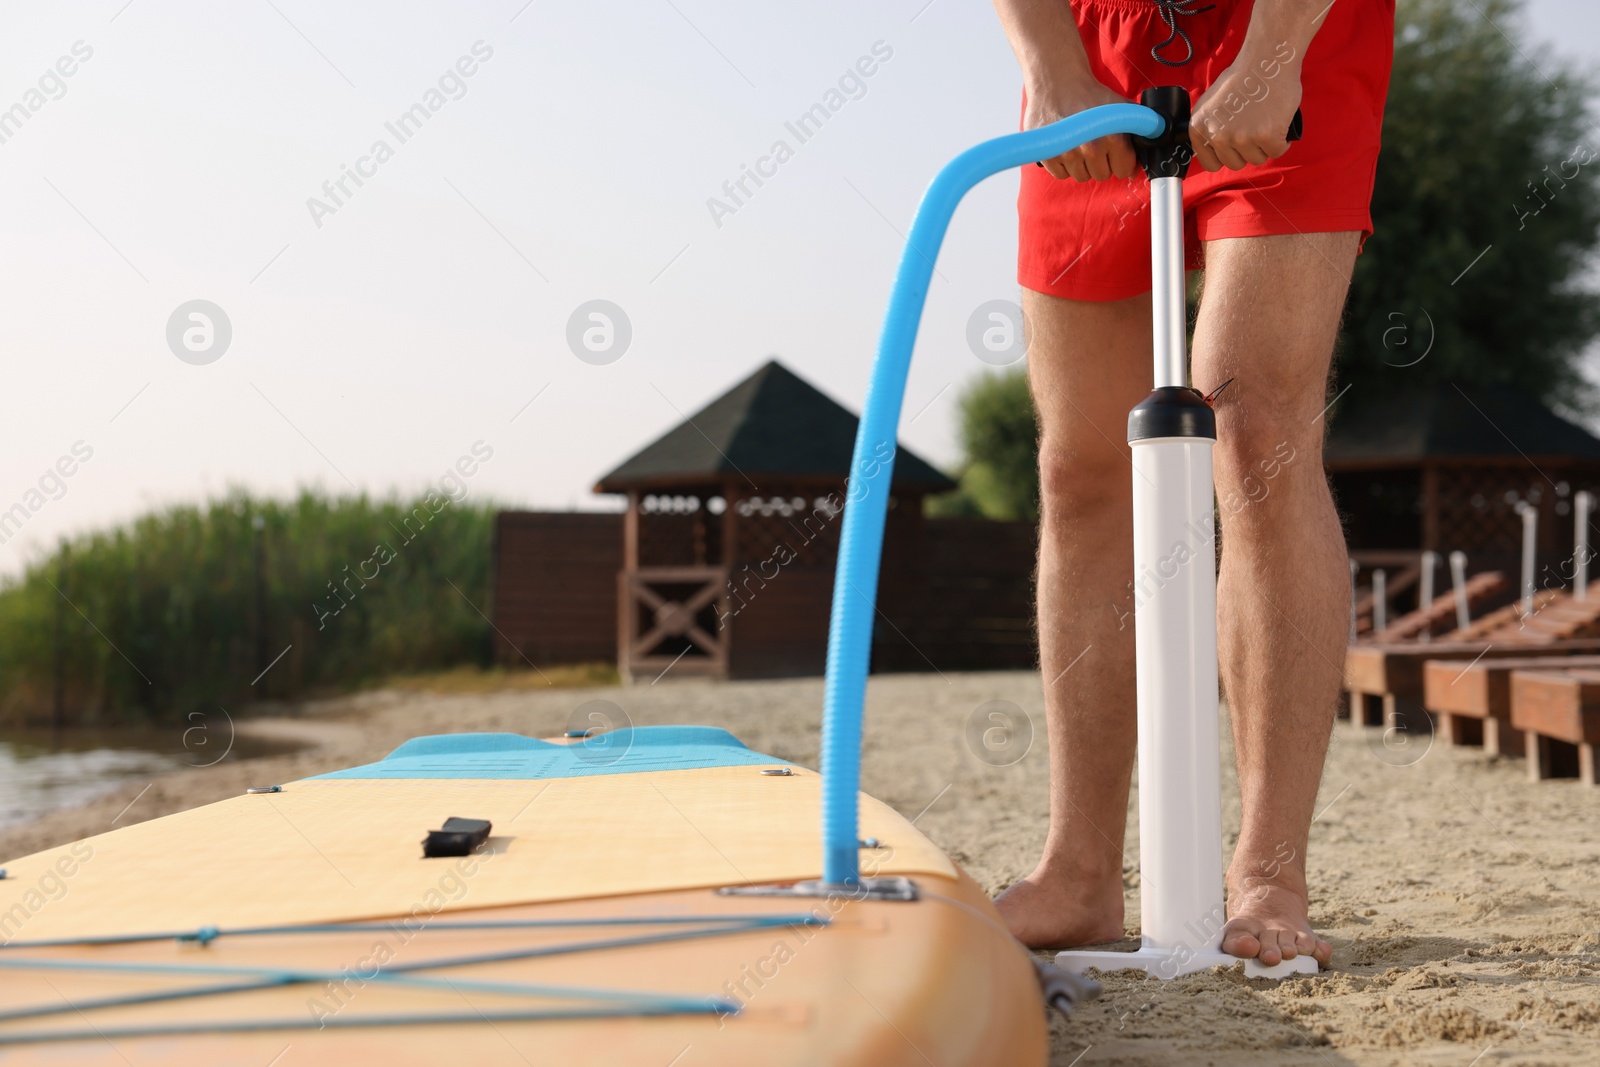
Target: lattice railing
column 802, row 526
column 669, row 621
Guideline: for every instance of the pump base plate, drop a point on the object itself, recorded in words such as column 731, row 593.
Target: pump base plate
column 1173, row 963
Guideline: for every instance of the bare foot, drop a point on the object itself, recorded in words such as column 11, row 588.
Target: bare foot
column 1049, row 909
column 1268, row 921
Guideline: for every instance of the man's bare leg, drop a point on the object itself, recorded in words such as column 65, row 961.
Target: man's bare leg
column 1088, row 364
column 1268, row 317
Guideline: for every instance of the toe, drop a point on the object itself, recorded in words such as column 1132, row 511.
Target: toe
column 1305, row 943
column 1242, row 943
column 1324, row 953
column 1286, row 944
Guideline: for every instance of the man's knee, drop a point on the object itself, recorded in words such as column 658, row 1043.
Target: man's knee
column 1082, row 486
column 1261, row 458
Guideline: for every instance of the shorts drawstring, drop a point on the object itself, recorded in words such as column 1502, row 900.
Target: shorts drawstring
column 1170, row 10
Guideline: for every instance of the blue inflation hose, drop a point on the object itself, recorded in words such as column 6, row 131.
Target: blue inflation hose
column 855, row 585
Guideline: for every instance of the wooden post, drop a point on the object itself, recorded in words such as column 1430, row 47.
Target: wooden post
column 627, row 607
column 1500, row 739
column 1538, row 748
column 702, row 520
column 730, row 526
column 630, row 534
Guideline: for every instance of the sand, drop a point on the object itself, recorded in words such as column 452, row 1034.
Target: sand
column 1462, row 900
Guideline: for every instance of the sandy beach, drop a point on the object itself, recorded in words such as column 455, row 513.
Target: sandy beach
column 1462, row 900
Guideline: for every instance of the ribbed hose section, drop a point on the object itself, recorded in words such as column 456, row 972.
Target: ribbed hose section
column 855, row 585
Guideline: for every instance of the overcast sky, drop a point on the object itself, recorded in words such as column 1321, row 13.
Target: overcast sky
column 178, row 151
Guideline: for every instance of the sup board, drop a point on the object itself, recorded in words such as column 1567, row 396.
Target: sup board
column 639, row 897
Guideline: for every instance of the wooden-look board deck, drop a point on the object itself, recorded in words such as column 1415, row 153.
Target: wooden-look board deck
column 614, row 943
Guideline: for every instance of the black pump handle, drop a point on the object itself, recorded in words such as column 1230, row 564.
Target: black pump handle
column 1168, row 155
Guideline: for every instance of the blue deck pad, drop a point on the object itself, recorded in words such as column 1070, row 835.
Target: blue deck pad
column 511, row 756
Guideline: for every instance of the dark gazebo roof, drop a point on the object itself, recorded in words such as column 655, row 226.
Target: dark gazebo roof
column 771, row 425
column 1448, row 422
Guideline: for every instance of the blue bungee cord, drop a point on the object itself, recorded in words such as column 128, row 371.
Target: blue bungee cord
column 204, row 935
column 855, row 584
column 615, row 1003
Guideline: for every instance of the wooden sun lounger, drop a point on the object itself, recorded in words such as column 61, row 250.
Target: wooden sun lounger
column 1557, row 705
column 1471, row 703
column 1388, row 676
column 1385, row 681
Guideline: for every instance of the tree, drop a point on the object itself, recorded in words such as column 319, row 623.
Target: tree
column 1488, row 152
column 1486, row 214
column 1000, row 438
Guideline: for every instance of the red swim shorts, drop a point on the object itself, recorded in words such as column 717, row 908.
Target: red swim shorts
column 1091, row 240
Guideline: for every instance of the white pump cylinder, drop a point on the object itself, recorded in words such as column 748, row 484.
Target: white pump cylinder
column 1175, row 598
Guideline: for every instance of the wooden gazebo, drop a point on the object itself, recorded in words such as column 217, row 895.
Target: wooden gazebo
column 1444, row 468
column 732, row 528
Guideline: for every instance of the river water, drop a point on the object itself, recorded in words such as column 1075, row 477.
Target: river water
column 37, row 776
column 40, row 773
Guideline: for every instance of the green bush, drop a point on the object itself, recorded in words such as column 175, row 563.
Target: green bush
column 1000, row 440
column 159, row 617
